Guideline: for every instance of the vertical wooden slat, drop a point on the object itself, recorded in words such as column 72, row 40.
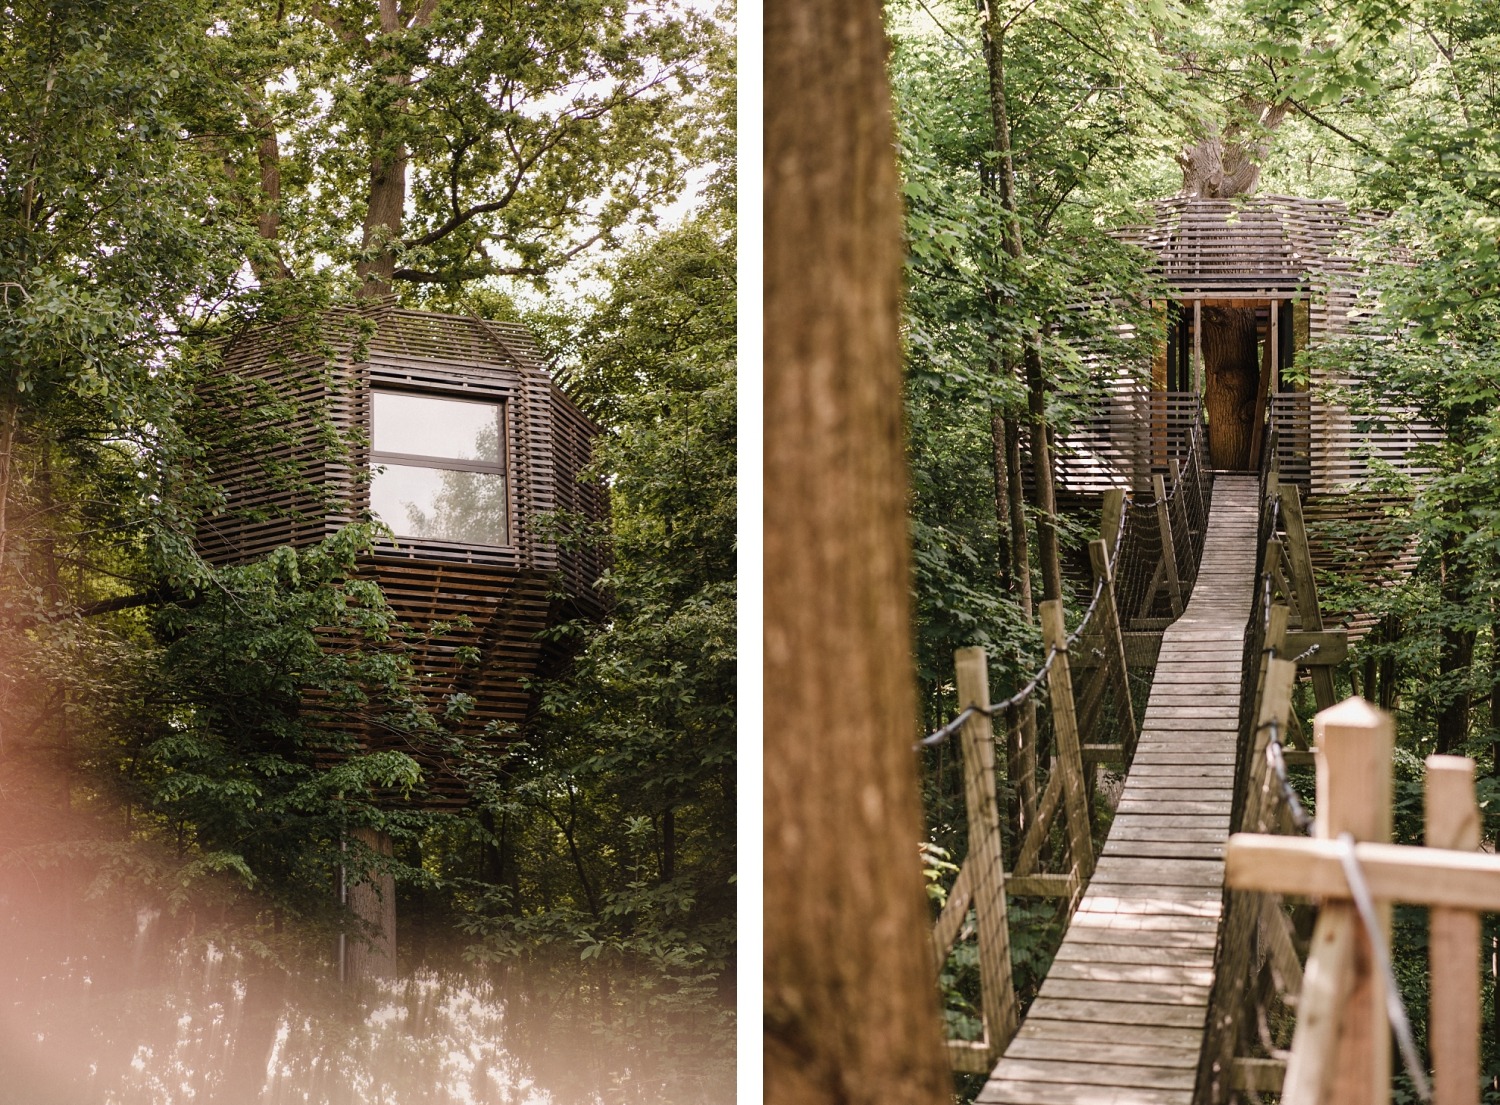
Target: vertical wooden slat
column 1197, row 347
column 1453, row 940
column 998, row 996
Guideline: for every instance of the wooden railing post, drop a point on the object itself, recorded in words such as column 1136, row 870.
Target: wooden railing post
column 1168, row 550
column 998, row 995
column 1300, row 563
column 1453, row 940
column 1114, row 641
column 1069, row 747
column 1180, row 521
column 1109, row 522
column 1353, row 744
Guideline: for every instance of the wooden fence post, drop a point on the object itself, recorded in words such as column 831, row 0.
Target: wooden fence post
column 1453, row 940
column 1069, row 747
column 1353, row 744
column 1114, row 641
column 1168, row 550
column 1304, row 584
column 998, row 996
column 1180, row 521
column 1226, row 1009
column 1109, row 522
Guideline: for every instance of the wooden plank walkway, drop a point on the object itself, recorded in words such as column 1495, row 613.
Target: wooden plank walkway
column 1120, row 1017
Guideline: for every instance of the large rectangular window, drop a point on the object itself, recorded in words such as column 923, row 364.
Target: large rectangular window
column 438, row 468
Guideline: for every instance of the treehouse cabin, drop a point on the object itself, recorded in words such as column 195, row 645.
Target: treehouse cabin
column 470, row 448
column 1254, row 282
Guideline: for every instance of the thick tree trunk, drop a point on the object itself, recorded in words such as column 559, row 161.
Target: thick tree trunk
column 1226, row 162
column 383, row 222
column 372, row 952
column 1231, row 372
column 850, row 987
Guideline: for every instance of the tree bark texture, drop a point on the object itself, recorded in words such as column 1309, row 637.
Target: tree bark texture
column 1226, row 161
column 851, row 1011
column 1231, row 372
column 372, row 952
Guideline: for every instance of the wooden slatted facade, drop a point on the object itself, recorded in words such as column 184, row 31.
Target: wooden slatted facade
column 495, row 598
column 1295, row 262
column 1293, row 259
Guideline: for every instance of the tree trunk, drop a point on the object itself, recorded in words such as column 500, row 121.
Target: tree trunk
column 850, row 987
column 1036, row 384
column 1000, row 464
column 383, row 222
column 371, row 953
column 1226, row 161
column 1457, row 652
column 1231, row 370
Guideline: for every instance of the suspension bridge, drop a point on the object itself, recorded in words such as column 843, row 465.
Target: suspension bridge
column 1195, row 968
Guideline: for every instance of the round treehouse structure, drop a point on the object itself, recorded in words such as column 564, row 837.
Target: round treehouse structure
column 450, row 431
column 467, row 442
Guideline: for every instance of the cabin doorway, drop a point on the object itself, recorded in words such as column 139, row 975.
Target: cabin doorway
column 1231, row 352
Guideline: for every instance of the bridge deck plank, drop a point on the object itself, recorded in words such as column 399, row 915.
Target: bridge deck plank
column 1120, row 1016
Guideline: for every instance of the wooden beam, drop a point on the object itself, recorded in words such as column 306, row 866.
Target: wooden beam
column 1114, row 643
column 1260, row 1075
column 1395, row 872
column 1354, row 742
column 1333, row 646
column 1197, row 347
column 1168, row 549
column 1300, row 562
column 1453, row 940
column 1042, row 886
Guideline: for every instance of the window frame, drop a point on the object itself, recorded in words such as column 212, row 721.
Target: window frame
column 499, row 467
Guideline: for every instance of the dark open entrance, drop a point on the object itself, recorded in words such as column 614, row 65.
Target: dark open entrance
column 1231, row 351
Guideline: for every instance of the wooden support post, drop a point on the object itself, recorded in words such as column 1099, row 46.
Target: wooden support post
column 1197, row 347
column 1325, row 987
column 1232, row 977
column 1180, row 523
column 1168, row 550
column 1109, row 523
column 1114, row 643
column 1453, row 940
column 1263, row 797
column 998, row 995
column 1069, row 747
column 1353, row 743
column 1300, row 563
